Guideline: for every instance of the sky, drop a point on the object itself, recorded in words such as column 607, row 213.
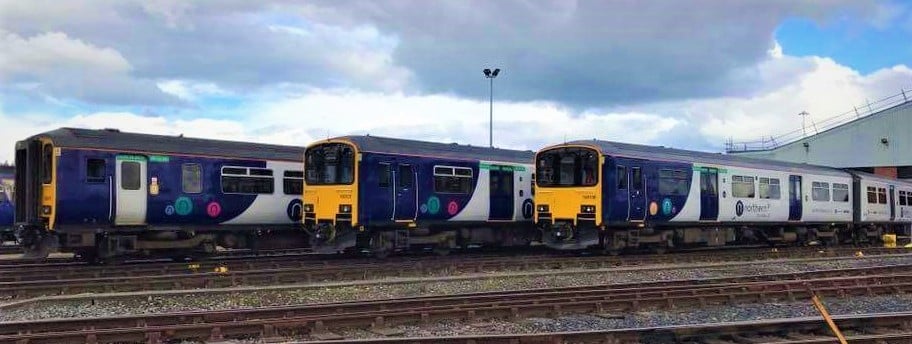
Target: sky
column 685, row 74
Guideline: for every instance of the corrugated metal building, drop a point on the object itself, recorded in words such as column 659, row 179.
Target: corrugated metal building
column 879, row 142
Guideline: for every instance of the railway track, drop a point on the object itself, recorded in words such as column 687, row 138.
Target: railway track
column 319, row 320
column 882, row 328
column 30, row 281
column 10, row 249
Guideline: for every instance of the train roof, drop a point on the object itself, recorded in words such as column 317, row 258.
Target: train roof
column 112, row 139
column 378, row 144
column 673, row 154
column 883, row 179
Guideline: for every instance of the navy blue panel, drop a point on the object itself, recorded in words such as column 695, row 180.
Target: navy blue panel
column 405, row 179
column 663, row 206
column 80, row 202
column 501, row 202
column 431, row 206
column 794, row 198
column 169, row 206
column 892, row 204
column 709, row 194
column 637, row 190
column 617, row 183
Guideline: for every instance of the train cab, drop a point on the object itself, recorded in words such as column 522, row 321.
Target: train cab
column 569, row 194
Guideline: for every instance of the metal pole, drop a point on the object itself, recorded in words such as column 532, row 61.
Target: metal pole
column 491, row 119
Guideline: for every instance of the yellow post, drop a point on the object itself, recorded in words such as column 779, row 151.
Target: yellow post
column 889, row 240
column 829, row 320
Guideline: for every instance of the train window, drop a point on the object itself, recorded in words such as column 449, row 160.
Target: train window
column 95, row 170
column 384, row 175
column 820, row 191
column 743, row 187
column 881, row 195
column 840, row 192
column 872, row 195
column 192, row 178
column 293, row 183
column 406, row 176
column 130, row 175
column 47, row 158
column 637, row 175
column 622, row 177
column 532, row 184
column 673, row 182
column 235, row 180
column 457, row 180
column 709, row 184
column 769, row 188
column 902, row 198
column 260, row 172
column 329, row 164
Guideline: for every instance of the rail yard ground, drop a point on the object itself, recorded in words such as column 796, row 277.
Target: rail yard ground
column 465, row 298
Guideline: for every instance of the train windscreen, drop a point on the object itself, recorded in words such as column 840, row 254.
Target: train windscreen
column 567, row 167
column 330, row 164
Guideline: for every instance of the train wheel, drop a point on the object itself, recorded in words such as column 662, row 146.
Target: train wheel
column 380, row 245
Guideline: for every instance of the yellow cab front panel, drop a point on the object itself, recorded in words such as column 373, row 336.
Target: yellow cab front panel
column 331, row 194
column 568, row 193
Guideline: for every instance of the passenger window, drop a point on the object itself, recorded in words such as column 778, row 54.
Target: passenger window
column 637, row 178
column 384, row 175
column 902, row 198
column 743, row 186
column 622, row 177
column 238, row 180
column 130, row 176
column 406, row 177
column 191, row 178
column 872, row 195
column 95, row 170
column 882, row 195
column 293, row 183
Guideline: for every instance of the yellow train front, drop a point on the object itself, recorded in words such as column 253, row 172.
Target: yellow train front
column 568, row 196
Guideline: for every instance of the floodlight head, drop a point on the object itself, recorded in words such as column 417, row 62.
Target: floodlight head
column 487, row 72
column 496, row 71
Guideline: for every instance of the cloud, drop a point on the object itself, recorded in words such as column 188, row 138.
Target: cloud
column 56, row 65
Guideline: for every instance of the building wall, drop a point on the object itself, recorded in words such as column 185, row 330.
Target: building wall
column 883, row 139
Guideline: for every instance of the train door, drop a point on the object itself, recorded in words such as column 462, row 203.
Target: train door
column 501, row 186
column 406, row 194
column 637, row 194
column 892, row 204
column 131, row 190
column 795, row 198
column 381, row 199
column 709, row 194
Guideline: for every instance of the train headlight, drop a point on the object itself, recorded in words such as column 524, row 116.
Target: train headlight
column 543, row 208
column 46, row 210
column 308, row 208
column 345, row 208
column 587, row 209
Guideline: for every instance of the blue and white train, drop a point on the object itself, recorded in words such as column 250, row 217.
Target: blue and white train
column 103, row 193
column 383, row 195
column 613, row 196
column 7, row 190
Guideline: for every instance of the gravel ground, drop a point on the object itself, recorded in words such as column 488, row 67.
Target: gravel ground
column 261, row 298
column 588, row 322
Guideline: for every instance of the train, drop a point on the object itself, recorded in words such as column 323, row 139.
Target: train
column 104, row 193
column 378, row 194
column 611, row 196
column 7, row 190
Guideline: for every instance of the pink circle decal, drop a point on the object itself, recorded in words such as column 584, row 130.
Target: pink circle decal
column 213, row 209
column 452, row 208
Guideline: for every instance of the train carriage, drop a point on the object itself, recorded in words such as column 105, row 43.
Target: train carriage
column 102, row 193
column 7, row 190
column 384, row 194
column 614, row 196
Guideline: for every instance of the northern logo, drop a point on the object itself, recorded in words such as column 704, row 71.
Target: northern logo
column 739, row 208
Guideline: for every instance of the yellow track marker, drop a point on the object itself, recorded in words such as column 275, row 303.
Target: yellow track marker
column 829, row 320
